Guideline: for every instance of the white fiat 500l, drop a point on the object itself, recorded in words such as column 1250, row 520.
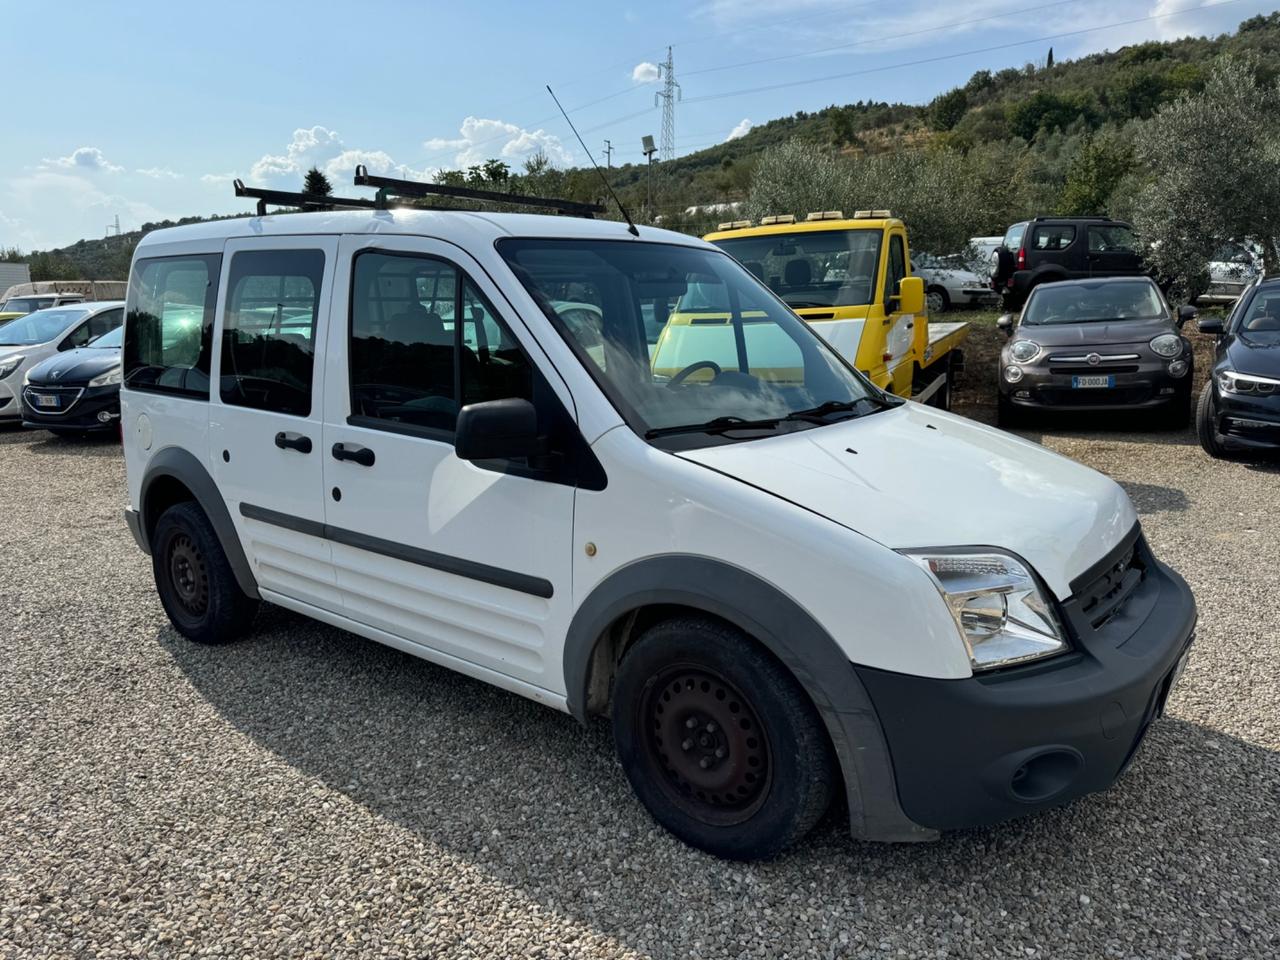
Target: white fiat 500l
column 774, row 579
column 37, row 336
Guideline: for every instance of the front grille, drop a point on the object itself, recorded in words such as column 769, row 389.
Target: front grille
column 1093, row 371
column 65, row 397
column 1105, row 396
column 1105, row 595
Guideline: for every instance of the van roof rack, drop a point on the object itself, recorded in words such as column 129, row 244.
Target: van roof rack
column 394, row 187
column 308, row 201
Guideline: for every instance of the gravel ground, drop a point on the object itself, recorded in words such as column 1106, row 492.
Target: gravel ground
column 308, row 793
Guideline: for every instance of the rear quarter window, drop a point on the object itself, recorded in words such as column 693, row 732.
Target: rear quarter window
column 168, row 341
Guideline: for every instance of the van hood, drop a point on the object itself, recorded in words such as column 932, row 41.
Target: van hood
column 917, row 477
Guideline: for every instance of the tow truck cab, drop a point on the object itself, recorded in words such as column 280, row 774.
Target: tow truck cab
column 850, row 279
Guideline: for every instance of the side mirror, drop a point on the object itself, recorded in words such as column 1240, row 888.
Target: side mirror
column 911, row 295
column 1187, row 312
column 1210, row 325
column 497, row 430
column 1005, row 323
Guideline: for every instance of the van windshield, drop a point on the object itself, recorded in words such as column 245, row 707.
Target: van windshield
column 827, row 268
column 727, row 356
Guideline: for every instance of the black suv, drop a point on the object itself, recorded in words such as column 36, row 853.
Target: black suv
column 1061, row 248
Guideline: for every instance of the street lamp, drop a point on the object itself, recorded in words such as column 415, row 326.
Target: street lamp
column 647, row 145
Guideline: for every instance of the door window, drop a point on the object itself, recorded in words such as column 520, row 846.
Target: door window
column 424, row 343
column 1053, row 238
column 896, row 268
column 268, row 331
column 169, row 334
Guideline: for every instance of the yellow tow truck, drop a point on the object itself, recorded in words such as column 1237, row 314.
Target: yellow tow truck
column 850, row 279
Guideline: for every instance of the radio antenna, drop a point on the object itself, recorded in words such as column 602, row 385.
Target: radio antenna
column 631, row 224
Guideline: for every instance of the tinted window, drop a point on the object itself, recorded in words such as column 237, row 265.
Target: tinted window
column 1094, row 302
column 1260, row 322
column 1112, row 239
column 92, row 328
column 1013, row 237
column 1057, row 237
column 412, row 363
column 818, row 269
column 268, row 332
column 896, row 268
column 168, row 338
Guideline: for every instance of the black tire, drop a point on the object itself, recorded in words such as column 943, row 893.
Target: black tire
column 687, row 698
column 1207, row 427
column 194, row 579
column 942, row 397
column 937, row 295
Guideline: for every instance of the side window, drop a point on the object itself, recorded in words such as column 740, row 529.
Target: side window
column 168, row 338
column 105, row 322
column 424, row 343
column 1013, row 237
column 269, row 330
column 896, row 268
column 1054, row 238
column 1112, row 239
column 77, row 337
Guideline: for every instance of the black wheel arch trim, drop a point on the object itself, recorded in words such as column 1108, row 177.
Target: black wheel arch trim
column 182, row 466
column 791, row 634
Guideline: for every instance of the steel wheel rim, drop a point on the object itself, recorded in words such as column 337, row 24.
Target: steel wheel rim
column 705, row 745
column 188, row 575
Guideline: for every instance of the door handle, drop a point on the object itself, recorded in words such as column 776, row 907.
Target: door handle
column 293, row 442
column 360, row 455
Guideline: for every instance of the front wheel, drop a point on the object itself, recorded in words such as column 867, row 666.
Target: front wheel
column 719, row 741
column 937, row 300
column 197, row 587
column 1207, row 425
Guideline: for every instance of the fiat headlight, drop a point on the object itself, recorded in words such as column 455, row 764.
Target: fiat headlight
column 104, row 379
column 1024, row 351
column 1002, row 615
column 10, row 364
column 1166, row 345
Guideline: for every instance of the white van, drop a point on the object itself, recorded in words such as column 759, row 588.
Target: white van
column 446, row 431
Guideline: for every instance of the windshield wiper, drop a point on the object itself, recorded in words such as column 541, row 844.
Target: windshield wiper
column 715, row 425
column 816, row 414
column 803, row 304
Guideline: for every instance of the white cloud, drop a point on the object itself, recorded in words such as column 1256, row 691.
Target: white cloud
column 741, row 130
column 645, row 72
column 217, row 179
column 159, row 173
column 66, row 206
column 317, row 147
column 482, row 139
column 84, row 159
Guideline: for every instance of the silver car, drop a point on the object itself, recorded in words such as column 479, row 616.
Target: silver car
column 948, row 283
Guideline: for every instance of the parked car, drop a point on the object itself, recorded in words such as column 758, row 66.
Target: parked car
column 1239, row 408
column 948, row 283
column 1090, row 345
column 977, row 253
column 76, row 391
column 1233, row 268
column 28, row 340
column 1050, row 249
column 781, row 582
column 23, row 298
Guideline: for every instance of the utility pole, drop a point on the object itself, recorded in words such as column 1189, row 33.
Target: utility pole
column 667, row 98
column 608, row 155
column 649, row 150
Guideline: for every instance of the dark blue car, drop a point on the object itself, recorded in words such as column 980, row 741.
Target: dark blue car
column 76, row 391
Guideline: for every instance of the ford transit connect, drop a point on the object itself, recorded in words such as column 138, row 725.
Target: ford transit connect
column 477, row 438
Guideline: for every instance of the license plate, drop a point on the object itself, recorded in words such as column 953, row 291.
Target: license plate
column 44, row 400
column 1083, row 383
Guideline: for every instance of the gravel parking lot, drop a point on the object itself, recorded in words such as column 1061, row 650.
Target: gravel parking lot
column 308, row 793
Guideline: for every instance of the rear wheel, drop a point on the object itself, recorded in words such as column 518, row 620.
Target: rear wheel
column 1207, row 425
column 197, row 587
column 719, row 741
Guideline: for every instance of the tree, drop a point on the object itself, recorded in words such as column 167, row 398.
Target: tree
column 1093, row 175
column 1048, row 61
column 1213, row 161
column 317, row 183
column 796, row 177
column 947, row 109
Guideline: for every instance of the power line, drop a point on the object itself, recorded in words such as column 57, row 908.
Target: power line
column 951, row 56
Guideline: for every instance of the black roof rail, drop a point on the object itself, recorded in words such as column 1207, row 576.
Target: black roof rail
column 1099, row 219
column 392, row 187
column 311, row 201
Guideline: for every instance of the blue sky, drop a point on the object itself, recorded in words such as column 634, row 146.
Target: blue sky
column 147, row 109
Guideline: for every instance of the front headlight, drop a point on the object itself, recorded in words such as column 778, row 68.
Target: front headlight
column 10, row 364
column 1166, row 345
column 999, row 609
column 102, row 379
column 1024, row 351
column 1243, row 383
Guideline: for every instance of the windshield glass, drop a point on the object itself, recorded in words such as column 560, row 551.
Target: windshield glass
column 38, row 327
column 108, row 341
column 1094, row 302
column 813, row 269
column 1260, row 322
column 724, row 350
column 26, row 304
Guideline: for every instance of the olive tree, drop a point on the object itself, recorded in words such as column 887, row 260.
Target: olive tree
column 1213, row 163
